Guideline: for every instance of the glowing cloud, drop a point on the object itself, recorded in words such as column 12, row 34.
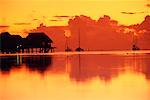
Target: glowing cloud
column 102, row 34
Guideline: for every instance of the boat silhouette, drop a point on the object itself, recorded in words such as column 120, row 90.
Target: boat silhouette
column 79, row 43
column 134, row 46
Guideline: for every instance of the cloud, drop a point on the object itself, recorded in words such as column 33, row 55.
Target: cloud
column 132, row 13
column 107, row 34
column 102, row 34
column 63, row 17
column 4, row 26
column 22, row 23
column 55, row 20
column 128, row 13
column 35, row 19
column 143, row 33
column 148, row 5
column 143, row 25
column 56, row 33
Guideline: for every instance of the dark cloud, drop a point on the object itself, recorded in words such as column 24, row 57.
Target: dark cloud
column 128, row 13
column 22, row 23
column 63, row 16
column 55, row 20
column 35, row 19
column 148, row 5
column 4, row 26
column 132, row 13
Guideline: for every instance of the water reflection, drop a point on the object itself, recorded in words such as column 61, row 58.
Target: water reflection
column 7, row 63
column 39, row 63
column 33, row 63
column 81, row 68
column 107, row 67
column 75, row 77
column 139, row 64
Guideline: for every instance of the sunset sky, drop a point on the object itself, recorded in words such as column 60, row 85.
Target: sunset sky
column 22, row 15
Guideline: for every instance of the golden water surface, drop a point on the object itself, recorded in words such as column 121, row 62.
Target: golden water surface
column 75, row 77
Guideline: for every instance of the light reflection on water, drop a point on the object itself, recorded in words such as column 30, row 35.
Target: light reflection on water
column 75, row 77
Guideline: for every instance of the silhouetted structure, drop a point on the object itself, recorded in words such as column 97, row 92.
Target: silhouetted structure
column 79, row 49
column 8, row 44
column 68, row 49
column 79, row 42
column 18, row 42
column 38, row 40
column 67, row 45
column 67, row 36
column 15, row 43
column 135, row 47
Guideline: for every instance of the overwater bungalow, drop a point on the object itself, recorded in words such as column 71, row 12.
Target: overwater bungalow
column 7, row 43
column 38, row 41
column 17, row 42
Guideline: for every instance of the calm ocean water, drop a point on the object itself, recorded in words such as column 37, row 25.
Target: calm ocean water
column 94, row 76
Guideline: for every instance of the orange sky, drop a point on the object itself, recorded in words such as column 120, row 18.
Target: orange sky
column 22, row 15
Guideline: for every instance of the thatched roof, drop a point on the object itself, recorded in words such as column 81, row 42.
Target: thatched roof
column 5, row 34
column 38, row 36
column 17, row 38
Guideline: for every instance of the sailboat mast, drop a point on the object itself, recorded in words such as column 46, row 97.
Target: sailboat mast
column 79, row 41
column 134, row 39
column 79, row 37
column 135, row 47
